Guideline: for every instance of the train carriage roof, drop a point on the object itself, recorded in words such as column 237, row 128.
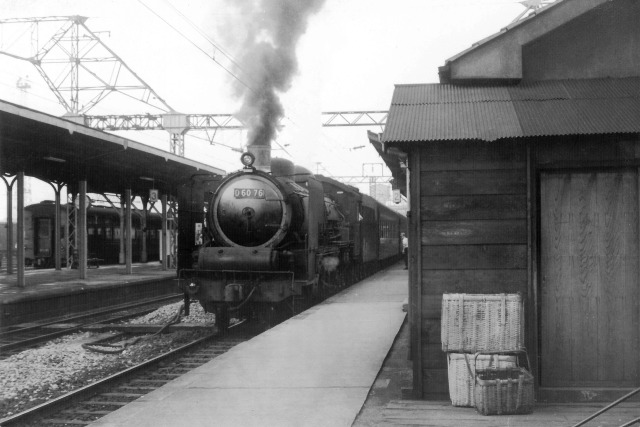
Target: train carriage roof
column 348, row 189
column 56, row 149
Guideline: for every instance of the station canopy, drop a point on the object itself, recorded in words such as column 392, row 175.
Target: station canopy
column 58, row 150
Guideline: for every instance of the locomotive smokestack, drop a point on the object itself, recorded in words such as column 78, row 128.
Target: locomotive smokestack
column 262, row 153
column 269, row 34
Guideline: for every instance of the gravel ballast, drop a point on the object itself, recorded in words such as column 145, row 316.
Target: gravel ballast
column 36, row 375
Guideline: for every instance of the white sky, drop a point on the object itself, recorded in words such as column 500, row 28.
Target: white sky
column 350, row 58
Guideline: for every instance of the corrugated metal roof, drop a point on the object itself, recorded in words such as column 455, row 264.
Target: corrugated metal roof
column 447, row 94
column 436, row 112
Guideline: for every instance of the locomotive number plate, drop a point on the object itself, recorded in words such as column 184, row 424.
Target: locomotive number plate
column 248, row 193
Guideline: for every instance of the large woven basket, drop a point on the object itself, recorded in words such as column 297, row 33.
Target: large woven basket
column 482, row 322
column 504, row 391
column 462, row 370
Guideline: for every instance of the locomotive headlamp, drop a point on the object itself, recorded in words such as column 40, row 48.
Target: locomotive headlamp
column 247, row 159
column 193, row 288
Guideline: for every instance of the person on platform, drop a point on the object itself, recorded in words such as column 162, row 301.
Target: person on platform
column 405, row 250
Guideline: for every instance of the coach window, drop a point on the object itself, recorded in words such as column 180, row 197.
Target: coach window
column 368, row 214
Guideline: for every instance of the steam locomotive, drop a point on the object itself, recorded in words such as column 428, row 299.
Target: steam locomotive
column 256, row 242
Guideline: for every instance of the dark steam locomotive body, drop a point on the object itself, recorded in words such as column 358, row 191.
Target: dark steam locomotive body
column 254, row 242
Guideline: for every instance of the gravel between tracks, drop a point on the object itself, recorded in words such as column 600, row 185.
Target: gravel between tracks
column 36, row 375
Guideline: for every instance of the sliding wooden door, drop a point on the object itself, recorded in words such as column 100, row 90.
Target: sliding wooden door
column 589, row 304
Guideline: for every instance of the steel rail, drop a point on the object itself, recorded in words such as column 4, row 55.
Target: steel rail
column 39, row 338
column 632, row 422
column 8, row 330
column 92, row 389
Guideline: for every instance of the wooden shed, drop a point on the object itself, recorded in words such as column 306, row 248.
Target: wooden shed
column 524, row 168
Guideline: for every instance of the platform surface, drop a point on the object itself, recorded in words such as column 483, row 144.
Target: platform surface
column 47, row 282
column 315, row 369
column 442, row 414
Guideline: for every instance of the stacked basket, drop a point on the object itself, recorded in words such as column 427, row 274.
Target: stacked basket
column 483, row 336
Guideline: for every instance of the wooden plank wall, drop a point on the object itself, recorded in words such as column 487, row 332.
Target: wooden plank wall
column 473, row 230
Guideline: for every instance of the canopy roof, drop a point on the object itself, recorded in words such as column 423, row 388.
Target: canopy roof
column 59, row 150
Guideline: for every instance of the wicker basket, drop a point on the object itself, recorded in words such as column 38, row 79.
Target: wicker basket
column 482, row 322
column 462, row 373
column 504, row 391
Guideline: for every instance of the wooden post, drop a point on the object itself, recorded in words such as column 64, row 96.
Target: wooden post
column 415, row 276
column 532, row 266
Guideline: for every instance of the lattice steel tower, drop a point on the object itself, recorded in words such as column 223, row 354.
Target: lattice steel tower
column 78, row 67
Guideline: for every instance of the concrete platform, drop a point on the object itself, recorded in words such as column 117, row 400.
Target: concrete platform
column 315, row 369
column 49, row 292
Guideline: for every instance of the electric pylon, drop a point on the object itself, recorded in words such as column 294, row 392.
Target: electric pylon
column 79, row 68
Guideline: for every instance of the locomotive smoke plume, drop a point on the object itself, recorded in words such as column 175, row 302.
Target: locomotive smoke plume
column 271, row 31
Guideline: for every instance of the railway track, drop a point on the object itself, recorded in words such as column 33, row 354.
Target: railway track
column 85, row 405
column 17, row 338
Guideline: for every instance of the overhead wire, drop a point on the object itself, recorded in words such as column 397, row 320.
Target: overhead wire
column 49, row 100
column 192, row 24
column 228, row 56
column 18, row 37
column 212, row 57
column 327, row 137
column 204, row 35
column 448, row 2
column 213, row 142
column 216, row 46
column 150, row 137
column 37, row 87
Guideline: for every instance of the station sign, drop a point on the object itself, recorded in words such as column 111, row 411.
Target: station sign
column 87, row 202
column 153, row 195
column 396, row 196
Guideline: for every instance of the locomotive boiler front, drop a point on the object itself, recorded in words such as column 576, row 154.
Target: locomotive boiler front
column 250, row 209
column 255, row 221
